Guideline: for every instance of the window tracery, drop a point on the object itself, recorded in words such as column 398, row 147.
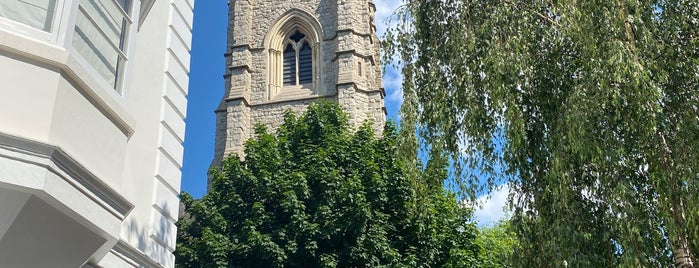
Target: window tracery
column 294, row 54
column 298, row 60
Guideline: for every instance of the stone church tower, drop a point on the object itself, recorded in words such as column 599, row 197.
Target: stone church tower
column 284, row 54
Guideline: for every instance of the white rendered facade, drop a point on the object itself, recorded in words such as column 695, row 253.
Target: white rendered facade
column 93, row 98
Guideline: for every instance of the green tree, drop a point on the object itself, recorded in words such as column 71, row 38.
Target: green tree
column 588, row 109
column 320, row 195
column 498, row 244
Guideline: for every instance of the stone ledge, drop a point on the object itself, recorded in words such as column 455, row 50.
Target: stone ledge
column 133, row 256
column 77, row 175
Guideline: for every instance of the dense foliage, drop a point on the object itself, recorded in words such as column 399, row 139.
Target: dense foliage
column 320, row 195
column 588, row 109
column 498, row 244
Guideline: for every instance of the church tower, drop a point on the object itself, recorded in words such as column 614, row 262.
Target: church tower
column 284, row 54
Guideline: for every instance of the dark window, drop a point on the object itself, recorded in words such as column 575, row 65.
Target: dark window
column 297, row 36
column 289, row 65
column 305, row 64
column 298, row 60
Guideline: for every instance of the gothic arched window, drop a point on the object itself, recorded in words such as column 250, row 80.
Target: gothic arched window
column 298, row 61
column 293, row 43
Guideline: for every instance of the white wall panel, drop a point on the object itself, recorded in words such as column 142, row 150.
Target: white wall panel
column 168, row 171
column 175, row 95
column 179, row 50
column 182, row 29
column 179, row 74
column 173, row 121
column 166, row 200
column 170, row 145
column 185, row 11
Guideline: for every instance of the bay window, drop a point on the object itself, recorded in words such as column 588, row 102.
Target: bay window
column 37, row 14
column 101, row 28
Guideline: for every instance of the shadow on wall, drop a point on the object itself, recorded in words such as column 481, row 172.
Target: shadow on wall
column 154, row 242
column 328, row 9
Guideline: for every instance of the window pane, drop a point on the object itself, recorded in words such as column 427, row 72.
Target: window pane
column 99, row 36
column 305, row 64
column 297, row 36
column 125, row 4
column 107, row 17
column 35, row 13
column 289, row 66
column 95, row 49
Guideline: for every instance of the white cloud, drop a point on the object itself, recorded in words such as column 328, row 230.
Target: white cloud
column 392, row 82
column 493, row 207
column 384, row 9
column 392, row 79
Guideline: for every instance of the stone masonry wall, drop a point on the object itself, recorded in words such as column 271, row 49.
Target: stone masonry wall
column 351, row 70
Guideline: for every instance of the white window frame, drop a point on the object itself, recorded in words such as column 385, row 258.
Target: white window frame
column 121, row 75
column 50, row 36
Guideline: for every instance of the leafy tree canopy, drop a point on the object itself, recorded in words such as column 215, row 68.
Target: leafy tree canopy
column 588, row 109
column 498, row 244
column 321, row 195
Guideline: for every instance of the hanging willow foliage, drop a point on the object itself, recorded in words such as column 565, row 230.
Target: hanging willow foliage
column 588, row 110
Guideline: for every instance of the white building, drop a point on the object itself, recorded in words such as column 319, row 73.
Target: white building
column 92, row 107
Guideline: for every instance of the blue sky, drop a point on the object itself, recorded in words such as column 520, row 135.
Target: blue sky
column 205, row 91
column 206, row 87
